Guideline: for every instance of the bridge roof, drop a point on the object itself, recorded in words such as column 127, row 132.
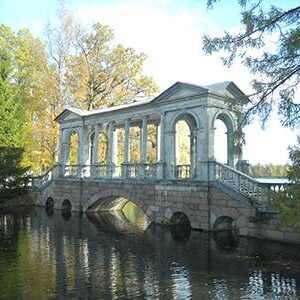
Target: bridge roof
column 222, row 89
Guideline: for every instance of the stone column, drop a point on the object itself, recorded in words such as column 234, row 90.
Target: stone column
column 59, row 146
column 110, row 150
column 96, row 144
column 110, row 142
column 126, row 142
column 94, row 160
column 161, row 148
column 80, row 155
column 161, row 139
column 64, row 150
column 193, row 152
column 126, row 162
column 143, row 154
column 230, row 154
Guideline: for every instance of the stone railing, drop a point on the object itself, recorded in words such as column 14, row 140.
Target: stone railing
column 125, row 171
column 259, row 192
column 182, row 172
column 45, row 178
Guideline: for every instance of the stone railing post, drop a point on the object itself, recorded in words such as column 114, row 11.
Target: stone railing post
column 160, row 170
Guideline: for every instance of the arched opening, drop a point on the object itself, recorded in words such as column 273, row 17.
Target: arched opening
column 224, row 223
column 223, row 139
column 49, row 203
column 134, row 144
column 152, row 141
column 225, row 233
column 66, row 209
column 179, row 218
column 73, row 148
column 72, row 158
column 121, row 213
column 221, row 142
column 49, row 206
column 66, row 205
column 180, row 226
column 185, row 146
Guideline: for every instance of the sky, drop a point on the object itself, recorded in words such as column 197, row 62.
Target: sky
column 170, row 33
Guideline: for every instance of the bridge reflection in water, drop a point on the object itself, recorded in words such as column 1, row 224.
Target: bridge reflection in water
column 108, row 256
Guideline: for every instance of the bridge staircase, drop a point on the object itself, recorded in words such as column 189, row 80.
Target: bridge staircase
column 245, row 188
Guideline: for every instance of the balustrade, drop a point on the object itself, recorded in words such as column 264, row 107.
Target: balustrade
column 257, row 191
column 182, row 171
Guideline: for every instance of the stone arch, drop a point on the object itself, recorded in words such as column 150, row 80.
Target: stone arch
column 180, row 218
column 66, row 205
column 230, row 124
column 240, row 220
column 189, row 117
column 108, row 198
column 49, row 202
column 224, row 223
column 184, row 168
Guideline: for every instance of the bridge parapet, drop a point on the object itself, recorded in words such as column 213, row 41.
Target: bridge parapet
column 260, row 193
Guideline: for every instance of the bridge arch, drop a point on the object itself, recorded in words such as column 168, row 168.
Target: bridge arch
column 49, row 202
column 115, row 198
column 230, row 218
column 179, row 218
column 66, row 205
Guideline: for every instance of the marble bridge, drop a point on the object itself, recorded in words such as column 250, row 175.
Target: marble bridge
column 160, row 154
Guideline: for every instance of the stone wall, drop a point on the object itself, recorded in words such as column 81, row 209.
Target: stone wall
column 203, row 205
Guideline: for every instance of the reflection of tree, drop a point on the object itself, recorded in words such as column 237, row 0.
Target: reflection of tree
column 25, row 265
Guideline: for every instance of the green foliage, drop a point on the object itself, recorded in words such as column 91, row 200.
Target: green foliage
column 102, row 74
column 288, row 201
column 12, row 118
column 268, row 171
column 79, row 67
column 277, row 70
column 12, row 174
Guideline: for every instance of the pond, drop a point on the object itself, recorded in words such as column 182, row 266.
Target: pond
column 50, row 255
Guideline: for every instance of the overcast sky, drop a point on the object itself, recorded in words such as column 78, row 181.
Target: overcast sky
column 170, row 33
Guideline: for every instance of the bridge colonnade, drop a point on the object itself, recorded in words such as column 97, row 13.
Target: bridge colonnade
column 196, row 107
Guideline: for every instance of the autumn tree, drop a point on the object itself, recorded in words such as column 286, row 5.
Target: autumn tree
column 276, row 69
column 101, row 74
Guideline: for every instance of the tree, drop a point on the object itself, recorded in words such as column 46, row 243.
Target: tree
column 22, row 93
column 12, row 120
column 277, row 70
column 101, row 74
column 288, row 201
column 12, row 175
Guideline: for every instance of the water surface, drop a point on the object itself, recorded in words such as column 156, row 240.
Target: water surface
column 54, row 256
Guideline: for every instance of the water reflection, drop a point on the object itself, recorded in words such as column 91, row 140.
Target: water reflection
column 226, row 240
column 49, row 211
column 66, row 214
column 106, row 256
column 181, row 232
column 181, row 287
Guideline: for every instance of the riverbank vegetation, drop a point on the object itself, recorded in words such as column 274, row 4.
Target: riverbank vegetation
column 70, row 65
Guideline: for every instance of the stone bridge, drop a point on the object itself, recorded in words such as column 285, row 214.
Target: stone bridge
column 160, row 155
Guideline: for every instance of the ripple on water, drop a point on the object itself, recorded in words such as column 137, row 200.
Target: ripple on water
column 107, row 257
